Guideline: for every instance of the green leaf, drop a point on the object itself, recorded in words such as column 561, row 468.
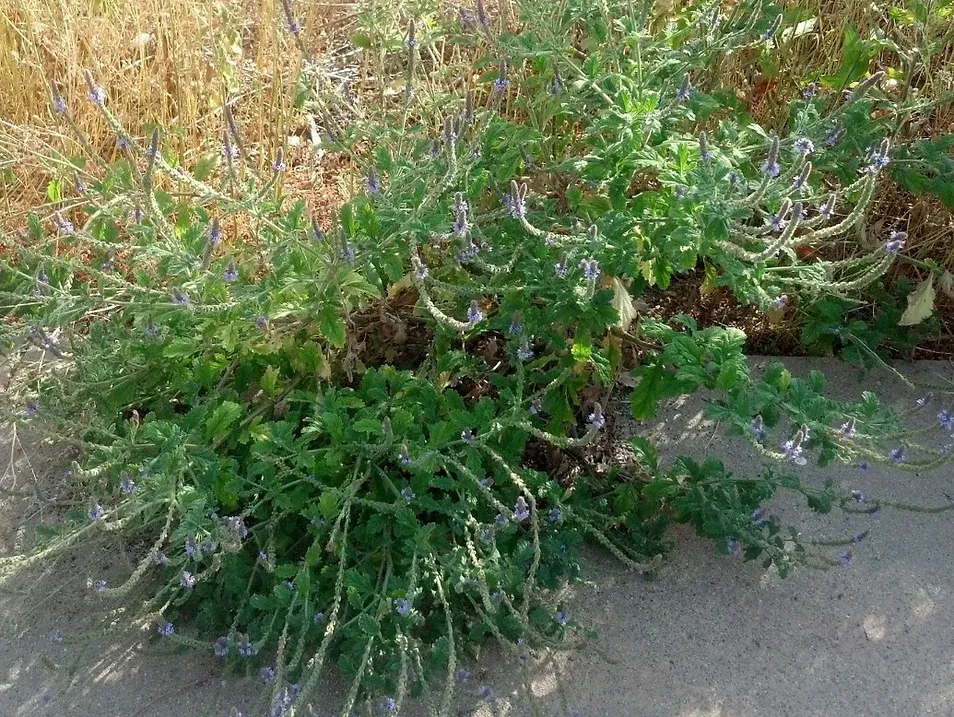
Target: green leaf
column 222, row 419
column 205, row 166
column 328, row 505
column 269, row 380
column 332, row 326
column 655, row 383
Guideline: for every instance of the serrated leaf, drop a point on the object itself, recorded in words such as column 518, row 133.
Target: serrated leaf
column 332, row 326
column 328, row 505
column 222, row 419
column 269, row 380
column 920, row 303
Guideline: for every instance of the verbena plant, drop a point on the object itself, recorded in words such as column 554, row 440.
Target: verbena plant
column 306, row 502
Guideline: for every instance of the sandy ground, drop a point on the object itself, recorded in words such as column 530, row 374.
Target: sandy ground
column 710, row 637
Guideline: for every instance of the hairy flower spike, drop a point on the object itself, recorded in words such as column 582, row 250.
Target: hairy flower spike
column 521, row 511
column 769, row 33
column 801, row 181
column 517, row 200
column 59, row 104
column 596, row 419
column 279, row 165
column 474, row 314
column 704, row 150
column 96, row 93
column 684, row 89
column 373, row 183
column 862, row 89
column 793, row 448
column 294, row 28
column 826, row 209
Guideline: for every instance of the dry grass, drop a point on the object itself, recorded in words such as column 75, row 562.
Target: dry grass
column 174, row 63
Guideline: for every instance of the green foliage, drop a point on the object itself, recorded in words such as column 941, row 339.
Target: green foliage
column 309, row 498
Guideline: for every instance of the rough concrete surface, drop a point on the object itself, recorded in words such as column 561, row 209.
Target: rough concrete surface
column 712, row 636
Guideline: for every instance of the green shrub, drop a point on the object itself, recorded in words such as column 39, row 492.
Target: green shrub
column 307, row 500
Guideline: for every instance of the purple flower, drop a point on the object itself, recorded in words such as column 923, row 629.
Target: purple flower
column 407, row 494
column 554, row 515
column 733, row 547
column 535, row 407
column 561, row 268
column 833, row 136
column 122, row 143
column 31, row 408
column 402, row 606
column 515, row 326
column 485, row 693
column 208, row 546
column 261, row 322
column 56, row 636
column 100, row 585
column 191, row 547
column 845, row 558
column 372, row 183
column 245, row 647
column 187, row 580
column 848, row 428
column 319, row 618
column 404, row 456
column 591, row 270
column 180, row 298
column 467, row 436
column 896, row 242
column 857, row 496
column 59, row 104
column 596, row 419
column 231, row 273
column 896, row 454
column 267, row 674
column 96, row 95
column 521, row 511
column 126, row 485
column 772, row 169
column 462, row 675
column 237, row 527
column 524, row 352
column 387, row 705
column 804, row 146
column 501, row 520
column 825, row 210
column 95, row 511
column 293, row 27
column 877, row 162
column 758, row 517
column 923, row 401
column 221, row 646
column 779, row 302
column 159, row 558
column 64, row 225
column 215, row 232
column 562, row 617
column 704, row 150
column 474, row 314
column 684, row 90
column 501, row 83
column 460, row 223
column 793, row 448
column 946, row 419
column 165, row 628
column 810, row 91
column 863, row 465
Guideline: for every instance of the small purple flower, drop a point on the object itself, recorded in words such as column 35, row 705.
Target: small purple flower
column 863, row 465
column 878, row 162
column 407, row 494
column 704, row 151
column 96, row 95
column 684, row 89
column 804, row 146
column 267, row 674
column 810, row 91
column 487, row 534
column 180, row 298
column 793, row 448
column 833, row 136
column 562, row 617
column 31, row 408
column 191, row 547
column 923, row 401
column 187, row 580
column 733, row 547
column 208, row 546
column 521, row 511
column 231, row 273
column 946, row 419
column 122, row 143
column 95, row 511
column 59, row 104
column 826, row 209
column 63, row 224
column 215, row 232
column 779, row 302
column 772, row 169
column 402, row 606
column 245, row 647
column 467, row 436
column 680, row 191
column 857, row 496
column 56, row 636
column 372, row 183
column 404, row 456
column 758, row 517
column 896, row 454
column 261, row 322
column 515, row 326
column 848, row 428
column 845, row 558
column 126, row 484
column 165, row 629
column 461, row 225
column 474, row 314
column 100, row 585
column 294, row 28
column 535, row 407
column 501, row 83
column 561, row 268
column 524, row 352
column 591, row 270
column 896, row 242
column 462, row 675
column 221, row 646
column 501, row 520
column 159, row 558
column 554, row 515
column 596, row 419
column 319, row 618
column 485, row 693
